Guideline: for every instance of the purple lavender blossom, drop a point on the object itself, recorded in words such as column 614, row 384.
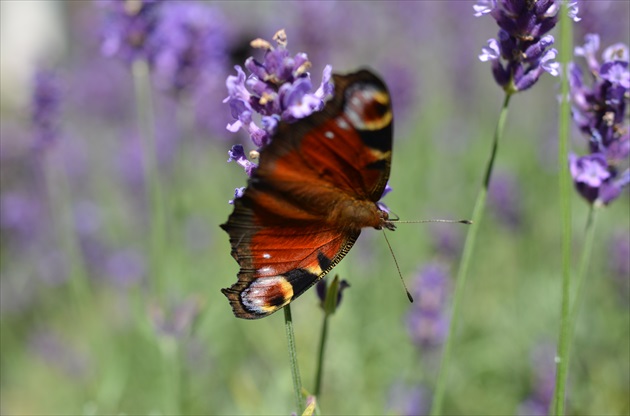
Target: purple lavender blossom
column 45, row 108
column 381, row 205
column 521, row 53
column 237, row 154
column 187, row 43
column 279, row 88
column 127, row 28
column 589, row 174
column 427, row 321
column 238, row 192
column 599, row 111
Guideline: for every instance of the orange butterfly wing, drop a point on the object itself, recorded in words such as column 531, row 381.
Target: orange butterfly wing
column 316, row 186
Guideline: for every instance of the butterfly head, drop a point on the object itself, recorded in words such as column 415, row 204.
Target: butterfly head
column 385, row 221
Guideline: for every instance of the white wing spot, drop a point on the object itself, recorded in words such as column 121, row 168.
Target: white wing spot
column 266, row 256
column 267, row 270
column 343, row 124
column 329, row 135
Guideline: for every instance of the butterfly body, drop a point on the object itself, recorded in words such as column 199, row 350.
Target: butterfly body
column 317, row 185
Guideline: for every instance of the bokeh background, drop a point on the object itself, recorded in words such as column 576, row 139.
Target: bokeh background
column 87, row 329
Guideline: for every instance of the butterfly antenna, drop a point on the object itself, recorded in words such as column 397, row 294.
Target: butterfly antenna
column 468, row 222
column 398, row 267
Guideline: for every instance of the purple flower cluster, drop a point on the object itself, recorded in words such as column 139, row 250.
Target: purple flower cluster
column 181, row 41
column 427, row 321
column 45, row 108
column 279, row 88
column 127, row 28
column 521, row 52
column 599, row 111
column 188, row 42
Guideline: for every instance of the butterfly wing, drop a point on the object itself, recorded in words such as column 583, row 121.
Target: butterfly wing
column 283, row 232
column 346, row 145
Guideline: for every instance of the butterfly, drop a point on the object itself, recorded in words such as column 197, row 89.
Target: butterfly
column 316, row 186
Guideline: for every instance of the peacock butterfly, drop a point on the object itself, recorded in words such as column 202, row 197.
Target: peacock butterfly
column 316, row 186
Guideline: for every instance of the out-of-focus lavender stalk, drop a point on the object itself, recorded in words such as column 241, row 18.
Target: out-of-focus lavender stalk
column 130, row 35
column 146, row 125
column 46, row 115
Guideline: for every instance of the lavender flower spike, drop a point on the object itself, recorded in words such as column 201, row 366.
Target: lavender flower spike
column 187, row 43
column 45, row 108
column 278, row 88
column 520, row 54
column 127, row 27
column 599, row 110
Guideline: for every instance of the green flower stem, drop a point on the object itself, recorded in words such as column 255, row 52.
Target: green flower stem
column 146, row 124
column 295, row 370
column 565, row 216
column 320, row 356
column 438, row 398
column 330, row 305
column 171, row 375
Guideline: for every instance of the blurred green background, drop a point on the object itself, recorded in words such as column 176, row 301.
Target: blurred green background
column 117, row 343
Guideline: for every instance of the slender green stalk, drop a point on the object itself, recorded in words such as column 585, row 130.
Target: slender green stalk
column 330, row 305
column 146, row 124
column 171, row 375
column 565, row 216
column 295, row 370
column 587, row 250
column 469, row 245
column 320, row 356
